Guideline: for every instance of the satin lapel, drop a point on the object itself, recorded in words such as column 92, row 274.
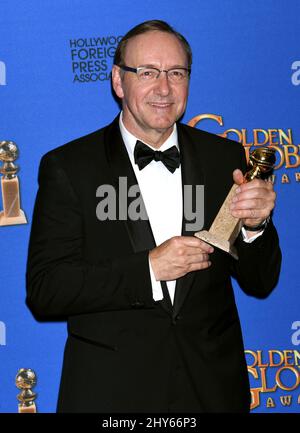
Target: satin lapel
column 139, row 231
column 193, row 174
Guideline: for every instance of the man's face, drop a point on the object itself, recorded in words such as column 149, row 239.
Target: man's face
column 151, row 109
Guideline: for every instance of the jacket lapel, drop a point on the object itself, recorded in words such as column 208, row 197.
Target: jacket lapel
column 139, row 231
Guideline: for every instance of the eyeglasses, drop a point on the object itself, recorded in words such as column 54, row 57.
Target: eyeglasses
column 175, row 75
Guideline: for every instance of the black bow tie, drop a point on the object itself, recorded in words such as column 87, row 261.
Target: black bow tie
column 143, row 155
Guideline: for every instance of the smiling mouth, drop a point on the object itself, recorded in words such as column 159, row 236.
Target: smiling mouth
column 160, row 104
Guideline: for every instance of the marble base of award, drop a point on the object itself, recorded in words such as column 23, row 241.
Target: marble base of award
column 225, row 228
column 11, row 214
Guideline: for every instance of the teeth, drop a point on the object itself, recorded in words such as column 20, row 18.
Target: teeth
column 160, row 105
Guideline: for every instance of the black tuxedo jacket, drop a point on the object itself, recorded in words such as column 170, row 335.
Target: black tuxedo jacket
column 125, row 352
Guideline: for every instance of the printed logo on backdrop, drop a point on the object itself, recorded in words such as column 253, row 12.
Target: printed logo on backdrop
column 275, row 375
column 287, row 152
column 2, row 334
column 2, row 74
column 92, row 58
column 296, row 74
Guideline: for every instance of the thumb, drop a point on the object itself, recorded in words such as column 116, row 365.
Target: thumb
column 238, row 177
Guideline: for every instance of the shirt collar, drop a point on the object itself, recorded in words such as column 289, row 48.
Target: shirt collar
column 130, row 140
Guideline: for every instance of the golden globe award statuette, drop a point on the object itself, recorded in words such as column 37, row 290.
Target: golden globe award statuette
column 225, row 227
column 26, row 380
column 11, row 214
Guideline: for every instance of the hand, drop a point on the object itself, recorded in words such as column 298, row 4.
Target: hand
column 179, row 255
column 253, row 201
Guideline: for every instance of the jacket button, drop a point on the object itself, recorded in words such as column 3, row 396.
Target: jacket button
column 175, row 319
column 137, row 304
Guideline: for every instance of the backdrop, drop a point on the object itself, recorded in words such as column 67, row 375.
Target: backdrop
column 55, row 62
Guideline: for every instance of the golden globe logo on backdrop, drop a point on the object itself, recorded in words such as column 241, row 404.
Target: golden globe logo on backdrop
column 92, row 58
column 277, row 375
column 287, row 153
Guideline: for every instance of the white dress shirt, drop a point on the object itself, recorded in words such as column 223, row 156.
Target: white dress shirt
column 162, row 195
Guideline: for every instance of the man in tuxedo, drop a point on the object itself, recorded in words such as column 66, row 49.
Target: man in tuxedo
column 152, row 320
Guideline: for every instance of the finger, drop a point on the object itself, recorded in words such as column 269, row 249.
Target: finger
column 254, row 200
column 192, row 252
column 197, row 258
column 181, row 251
column 205, row 247
column 259, row 193
column 256, row 183
column 199, row 266
column 255, row 214
column 195, row 242
column 269, row 184
column 238, row 176
column 250, row 203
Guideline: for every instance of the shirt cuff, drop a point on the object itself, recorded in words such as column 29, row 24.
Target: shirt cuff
column 156, row 286
column 249, row 240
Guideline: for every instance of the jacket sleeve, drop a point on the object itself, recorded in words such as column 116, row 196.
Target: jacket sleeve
column 258, row 268
column 58, row 280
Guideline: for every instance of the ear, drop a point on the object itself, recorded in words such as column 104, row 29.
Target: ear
column 117, row 81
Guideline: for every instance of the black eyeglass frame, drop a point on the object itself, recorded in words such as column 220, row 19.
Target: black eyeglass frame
column 135, row 70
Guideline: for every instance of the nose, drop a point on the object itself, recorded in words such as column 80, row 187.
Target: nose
column 162, row 84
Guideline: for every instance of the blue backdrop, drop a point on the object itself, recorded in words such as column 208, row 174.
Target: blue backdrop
column 55, row 61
